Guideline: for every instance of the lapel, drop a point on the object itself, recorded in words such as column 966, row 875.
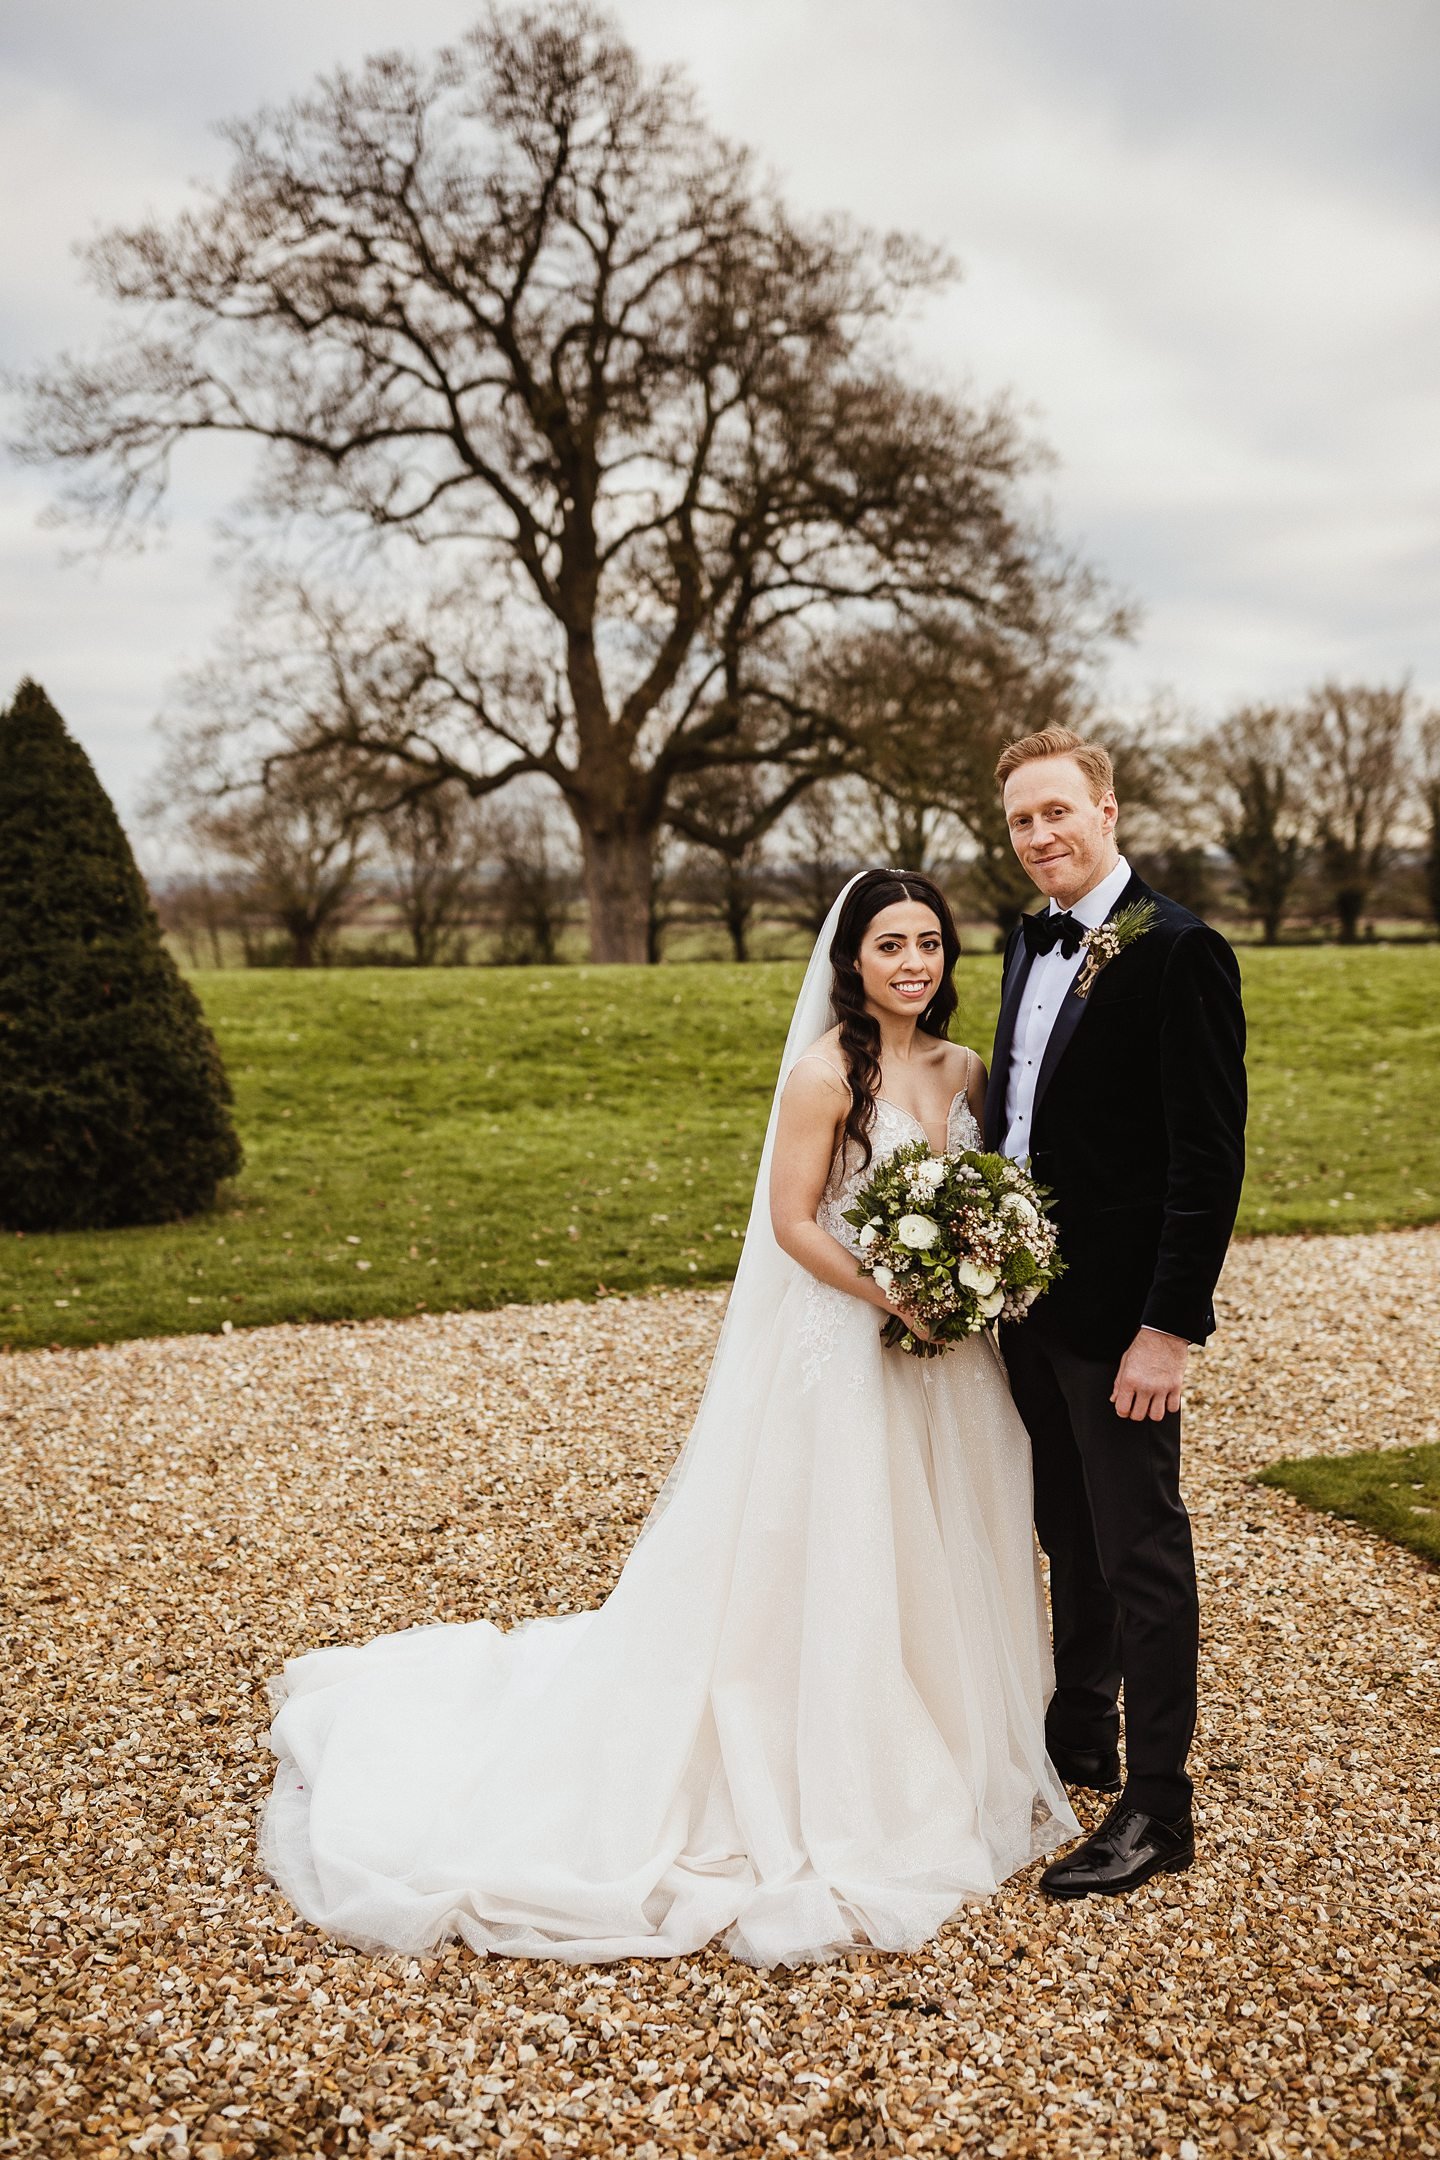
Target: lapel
column 999, row 1082
column 1073, row 1009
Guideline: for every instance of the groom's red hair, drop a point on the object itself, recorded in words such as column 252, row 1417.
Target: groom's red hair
column 1093, row 762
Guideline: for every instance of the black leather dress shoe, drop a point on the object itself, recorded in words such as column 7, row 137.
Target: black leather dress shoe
column 1127, row 1849
column 1098, row 1768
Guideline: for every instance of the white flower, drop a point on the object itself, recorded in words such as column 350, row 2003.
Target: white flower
column 991, row 1305
column 917, row 1232
column 930, row 1173
column 1015, row 1203
column 978, row 1279
column 868, row 1236
column 885, row 1277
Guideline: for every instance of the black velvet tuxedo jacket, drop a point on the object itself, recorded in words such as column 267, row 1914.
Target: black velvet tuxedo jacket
column 1138, row 1129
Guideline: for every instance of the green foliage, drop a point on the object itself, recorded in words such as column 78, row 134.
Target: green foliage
column 475, row 1116
column 1395, row 1491
column 113, row 1101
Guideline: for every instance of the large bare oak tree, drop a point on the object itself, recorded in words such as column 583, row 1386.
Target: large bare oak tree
column 516, row 309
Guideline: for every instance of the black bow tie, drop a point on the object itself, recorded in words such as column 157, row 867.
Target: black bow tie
column 1043, row 932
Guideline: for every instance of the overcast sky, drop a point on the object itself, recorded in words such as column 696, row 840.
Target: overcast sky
column 1201, row 243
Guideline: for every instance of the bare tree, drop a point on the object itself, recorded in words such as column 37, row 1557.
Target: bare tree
column 435, row 844
column 726, row 888
column 297, row 847
column 908, row 831
column 819, row 855
column 721, row 878
column 926, row 708
column 1354, row 740
column 519, row 310
column 534, row 886
column 197, row 908
column 1253, row 768
column 665, row 896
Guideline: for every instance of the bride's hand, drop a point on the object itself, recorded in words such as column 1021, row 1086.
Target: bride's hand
column 917, row 1327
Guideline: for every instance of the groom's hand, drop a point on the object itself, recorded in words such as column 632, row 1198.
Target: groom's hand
column 1151, row 1378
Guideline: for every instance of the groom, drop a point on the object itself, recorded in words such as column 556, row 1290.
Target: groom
column 1119, row 1073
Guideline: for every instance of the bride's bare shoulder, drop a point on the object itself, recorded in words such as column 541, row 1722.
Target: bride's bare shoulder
column 819, row 1072
column 960, row 1055
column 964, row 1068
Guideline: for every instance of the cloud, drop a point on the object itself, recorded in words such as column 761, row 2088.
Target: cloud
column 105, row 640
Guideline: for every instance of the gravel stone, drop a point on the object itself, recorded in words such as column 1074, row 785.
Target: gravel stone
column 179, row 1516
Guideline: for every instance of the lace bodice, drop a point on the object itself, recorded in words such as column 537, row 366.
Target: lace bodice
column 893, row 1127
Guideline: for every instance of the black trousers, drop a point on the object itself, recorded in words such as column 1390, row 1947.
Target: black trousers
column 1122, row 1567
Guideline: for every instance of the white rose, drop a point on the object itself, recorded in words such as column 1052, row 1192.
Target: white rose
column 868, row 1236
column 992, row 1305
column 1015, row 1203
column 885, row 1277
column 931, row 1173
column 917, row 1232
column 978, row 1279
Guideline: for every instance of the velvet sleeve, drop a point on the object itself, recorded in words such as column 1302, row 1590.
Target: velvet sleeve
column 1202, row 1078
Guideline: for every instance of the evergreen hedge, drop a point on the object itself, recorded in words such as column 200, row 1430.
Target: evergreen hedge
column 114, row 1105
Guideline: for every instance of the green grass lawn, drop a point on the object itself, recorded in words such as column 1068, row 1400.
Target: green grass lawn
column 419, row 1141
column 1395, row 1491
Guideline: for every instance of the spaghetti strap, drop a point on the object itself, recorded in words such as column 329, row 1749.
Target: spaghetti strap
column 817, row 1057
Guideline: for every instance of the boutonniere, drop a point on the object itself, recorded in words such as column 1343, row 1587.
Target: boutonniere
column 1109, row 939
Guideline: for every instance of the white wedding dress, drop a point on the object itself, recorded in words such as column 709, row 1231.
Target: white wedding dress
column 809, row 1716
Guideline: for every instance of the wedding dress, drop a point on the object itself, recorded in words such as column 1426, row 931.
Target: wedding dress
column 809, row 1717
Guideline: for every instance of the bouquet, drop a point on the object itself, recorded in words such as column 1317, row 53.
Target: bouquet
column 957, row 1240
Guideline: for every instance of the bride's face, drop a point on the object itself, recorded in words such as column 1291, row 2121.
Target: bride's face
column 901, row 960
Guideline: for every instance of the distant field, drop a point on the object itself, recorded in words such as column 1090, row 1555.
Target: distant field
column 422, row 1140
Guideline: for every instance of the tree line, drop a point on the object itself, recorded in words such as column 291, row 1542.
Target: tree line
column 1309, row 818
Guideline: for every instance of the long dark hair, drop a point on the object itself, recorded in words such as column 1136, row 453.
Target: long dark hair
column 859, row 1030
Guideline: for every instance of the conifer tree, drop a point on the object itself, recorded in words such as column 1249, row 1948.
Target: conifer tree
column 114, row 1105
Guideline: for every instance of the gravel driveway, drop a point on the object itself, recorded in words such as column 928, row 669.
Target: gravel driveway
column 181, row 1515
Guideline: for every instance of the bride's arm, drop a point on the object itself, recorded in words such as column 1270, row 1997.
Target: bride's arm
column 812, row 1112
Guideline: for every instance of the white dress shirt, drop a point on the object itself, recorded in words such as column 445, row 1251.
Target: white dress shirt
column 1046, row 986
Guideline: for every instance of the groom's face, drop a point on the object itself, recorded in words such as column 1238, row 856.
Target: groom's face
column 1064, row 838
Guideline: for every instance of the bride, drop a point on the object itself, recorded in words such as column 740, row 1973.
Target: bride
column 810, row 1715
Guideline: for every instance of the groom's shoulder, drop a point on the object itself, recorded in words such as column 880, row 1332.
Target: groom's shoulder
column 1172, row 919
column 1176, row 925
